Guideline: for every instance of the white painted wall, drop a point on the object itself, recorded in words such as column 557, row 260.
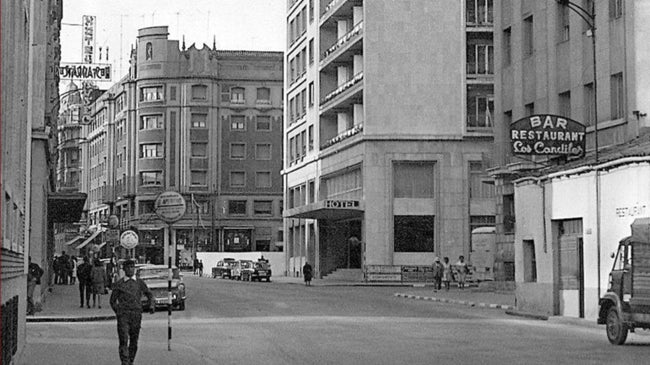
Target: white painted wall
column 210, row 259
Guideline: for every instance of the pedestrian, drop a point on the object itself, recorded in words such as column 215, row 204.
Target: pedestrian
column 126, row 302
column 69, row 267
column 63, row 267
column 200, row 267
column 56, row 265
column 99, row 282
column 196, row 266
column 437, row 274
column 85, row 282
column 446, row 272
column 307, row 273
column 461, row 268
column 33, row 278
column 73, row 280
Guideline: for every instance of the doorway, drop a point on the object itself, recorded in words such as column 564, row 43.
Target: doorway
column 571, row 267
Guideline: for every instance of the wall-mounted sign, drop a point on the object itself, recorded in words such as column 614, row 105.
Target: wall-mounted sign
column 88, row 38
column 129, row 239
column 85, row 71
column 545, row 134
column 341, row 204
column 170, row 206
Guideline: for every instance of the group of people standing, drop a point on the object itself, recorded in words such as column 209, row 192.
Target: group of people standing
column 95, row 280
column 65, row 269
column 198, row 267
column 445, row 273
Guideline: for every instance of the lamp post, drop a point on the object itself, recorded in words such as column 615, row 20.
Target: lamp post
column 589, row 16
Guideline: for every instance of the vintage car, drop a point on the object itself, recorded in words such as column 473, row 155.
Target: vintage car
column 256, row 270
column 238, row 268
column 156, row 277
column 223, row 268
column 626, row 304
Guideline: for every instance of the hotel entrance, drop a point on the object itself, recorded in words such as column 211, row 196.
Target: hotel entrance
column 340, row 244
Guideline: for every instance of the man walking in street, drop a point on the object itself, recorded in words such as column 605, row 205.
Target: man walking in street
column 85, row 284
column 33, row 278
column 126, row 302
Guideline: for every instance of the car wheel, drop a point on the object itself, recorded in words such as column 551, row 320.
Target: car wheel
column 616, row 329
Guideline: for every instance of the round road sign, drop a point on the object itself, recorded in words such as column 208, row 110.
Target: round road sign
column 129, row 239
column 170, row 206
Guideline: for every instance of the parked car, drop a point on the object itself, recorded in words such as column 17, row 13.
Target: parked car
column 223, row 268
column 626, row 304
column 238, row 268
column 156, row 277
column 256, row 271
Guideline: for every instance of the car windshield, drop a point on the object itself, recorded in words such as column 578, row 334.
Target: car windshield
column 157, row 273
column 261, row 265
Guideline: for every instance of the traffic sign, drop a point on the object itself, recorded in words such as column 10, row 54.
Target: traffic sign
column 129, row 239
column 170, row 206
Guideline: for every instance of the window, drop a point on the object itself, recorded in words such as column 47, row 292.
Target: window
column 151, row 150
column 311, row 137
column 199, row 149
column 311, row 11
column 508, row 213
column 237, row 207
column 480, row 11
column 263, row 123
column 507, row 46
column 237, row 123
column 413, row 233
column 199, row 92
column 263, row 179
column 238, row 151
column 564, row 104
column 237, row 179
column 589, row 104
column 199, row 120
column 528, row 44
column 477, row 189
column 151, row 122
column 617, row 95
column 151, row 178
column 311, row 51
column 199, row 178
column 237, row 95
column 529, row 109
column 479, row 111
column 563, row 23
column 263, row 95
column 530, row 262
column 413, row 179
column 151, row 93
column 311, row 94
column 480, row 59
column 615, row 9
column 262, row 207
column 263, row 151
column 172, row 93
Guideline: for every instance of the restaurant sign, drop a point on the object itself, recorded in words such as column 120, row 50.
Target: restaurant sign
column 546, row 134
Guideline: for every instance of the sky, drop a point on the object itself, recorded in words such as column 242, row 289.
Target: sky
column 257, row 25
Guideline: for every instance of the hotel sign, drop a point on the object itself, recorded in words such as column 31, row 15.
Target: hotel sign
column 545, row 134
column 341, row 204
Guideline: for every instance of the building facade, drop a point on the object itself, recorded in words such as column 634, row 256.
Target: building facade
column 386, row 133
column 571, row 214
column 202, row 122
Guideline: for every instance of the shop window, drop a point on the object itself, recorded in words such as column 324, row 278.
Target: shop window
column 413, row 233
column 263, row 245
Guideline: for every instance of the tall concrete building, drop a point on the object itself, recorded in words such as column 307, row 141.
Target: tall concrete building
column 388, row 129
column 563, row 217
column 202, row 122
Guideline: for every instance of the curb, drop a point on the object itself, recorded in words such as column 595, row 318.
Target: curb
column 455, row 301
column 517, row 313
column 574, row 321
column 71, row 319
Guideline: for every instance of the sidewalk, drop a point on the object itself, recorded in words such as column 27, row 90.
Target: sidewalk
column 61, row 304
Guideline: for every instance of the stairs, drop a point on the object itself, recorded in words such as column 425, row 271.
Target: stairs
column 348, row 275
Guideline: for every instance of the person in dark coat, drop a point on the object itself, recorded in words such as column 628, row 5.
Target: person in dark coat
column 33, row 278
column 437, row 274
column 99, row 282
column 307, row 273
column 126, row 302
column 85, row 282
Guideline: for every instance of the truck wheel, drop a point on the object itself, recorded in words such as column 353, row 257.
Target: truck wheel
column 616, row 329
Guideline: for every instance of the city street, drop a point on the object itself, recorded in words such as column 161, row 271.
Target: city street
column 229, row 322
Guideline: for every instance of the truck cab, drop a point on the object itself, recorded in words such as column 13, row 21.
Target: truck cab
column 626, row 304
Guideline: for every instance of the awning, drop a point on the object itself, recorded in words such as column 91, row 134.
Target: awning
column 65, row 207
column 327, row 209
column 97, row 232
column 74, row 240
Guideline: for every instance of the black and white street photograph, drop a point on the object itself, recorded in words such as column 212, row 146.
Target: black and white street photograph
column 325, row 182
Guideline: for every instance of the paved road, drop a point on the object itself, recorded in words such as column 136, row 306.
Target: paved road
column 244, row 323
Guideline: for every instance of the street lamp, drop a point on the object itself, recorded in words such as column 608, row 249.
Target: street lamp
column 589, row 16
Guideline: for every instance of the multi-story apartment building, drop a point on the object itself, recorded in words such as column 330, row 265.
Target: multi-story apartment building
column 571, row 214
column 387, row 132
column 205, row 123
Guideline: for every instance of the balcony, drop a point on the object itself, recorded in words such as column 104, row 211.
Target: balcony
column 342, row 44
column 338, row 9
column 342, row 136
column 349, row 88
